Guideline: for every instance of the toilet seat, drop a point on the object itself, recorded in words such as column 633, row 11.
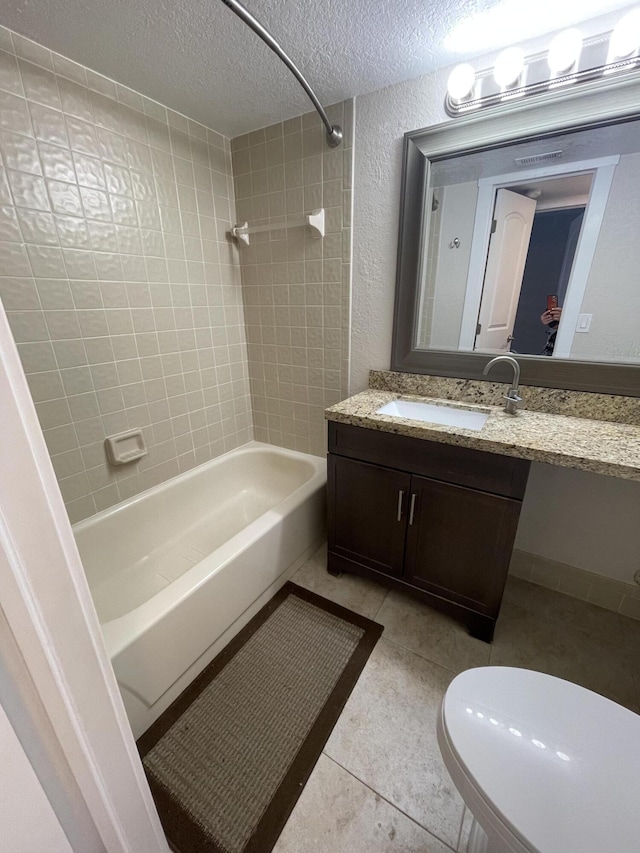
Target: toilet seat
column 543, row 765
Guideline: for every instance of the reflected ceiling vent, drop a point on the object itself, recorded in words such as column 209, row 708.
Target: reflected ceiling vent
column 537, row 158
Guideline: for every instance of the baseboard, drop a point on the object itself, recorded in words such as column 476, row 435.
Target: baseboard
column 621, row 597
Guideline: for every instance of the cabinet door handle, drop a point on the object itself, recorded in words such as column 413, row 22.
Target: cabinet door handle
column 400, row 499
column 413, row 506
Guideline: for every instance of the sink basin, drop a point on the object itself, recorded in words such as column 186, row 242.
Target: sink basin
column 433, row 414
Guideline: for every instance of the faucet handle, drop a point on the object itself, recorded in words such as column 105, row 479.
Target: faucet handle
column 513, row 401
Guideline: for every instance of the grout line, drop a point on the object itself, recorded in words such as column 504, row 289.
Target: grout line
column 386, row 595
column 406, row 648
column 390, row 803
column 423, row 657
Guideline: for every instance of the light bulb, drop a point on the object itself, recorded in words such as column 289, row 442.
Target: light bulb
column 508, row 67
column 460, row 82
column 564, row 51
column 625, row 38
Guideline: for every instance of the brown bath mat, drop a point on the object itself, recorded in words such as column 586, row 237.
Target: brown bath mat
column 228, row 759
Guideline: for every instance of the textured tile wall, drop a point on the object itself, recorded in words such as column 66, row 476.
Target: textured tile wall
column 121, row 288
column 296, row 289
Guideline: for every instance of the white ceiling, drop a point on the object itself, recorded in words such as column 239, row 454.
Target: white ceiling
column 197, row 57
column 556, row 192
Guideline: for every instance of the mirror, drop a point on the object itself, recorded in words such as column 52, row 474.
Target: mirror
column 519, row 233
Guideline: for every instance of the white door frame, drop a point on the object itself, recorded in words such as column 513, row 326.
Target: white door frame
column 603, row 168
column 57, row 685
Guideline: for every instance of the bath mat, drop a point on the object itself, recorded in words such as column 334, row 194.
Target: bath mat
column 228, row 759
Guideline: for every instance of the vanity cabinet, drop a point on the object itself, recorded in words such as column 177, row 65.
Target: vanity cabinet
column 433, row 519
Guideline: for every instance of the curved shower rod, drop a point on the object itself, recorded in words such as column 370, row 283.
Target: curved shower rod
column 334, row 131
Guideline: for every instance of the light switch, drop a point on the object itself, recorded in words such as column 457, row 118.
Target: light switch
column 584, row 322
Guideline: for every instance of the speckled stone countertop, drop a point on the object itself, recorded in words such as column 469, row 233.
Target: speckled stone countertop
column 600, row 446
column 553, row 401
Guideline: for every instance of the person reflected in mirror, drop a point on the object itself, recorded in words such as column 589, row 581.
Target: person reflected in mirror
column 551, row 319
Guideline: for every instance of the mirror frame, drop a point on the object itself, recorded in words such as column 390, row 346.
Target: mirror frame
column 604, row 101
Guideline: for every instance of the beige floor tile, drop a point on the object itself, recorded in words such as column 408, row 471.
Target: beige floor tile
column 338, row 814
column 572, row 612
column 431, row 634
column 555, row 647
column 386, row 737
column 358, row 594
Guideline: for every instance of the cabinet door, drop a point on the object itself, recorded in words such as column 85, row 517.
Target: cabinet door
column 459, row 543
column 367, row 513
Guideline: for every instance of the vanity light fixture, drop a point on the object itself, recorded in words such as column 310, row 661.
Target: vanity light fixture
column 625, row 38
column 568, row 61
column 509, row 67
column 564, row 51
column 461, row 81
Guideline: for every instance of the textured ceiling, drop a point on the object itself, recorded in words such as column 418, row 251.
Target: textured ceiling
column 197, row 57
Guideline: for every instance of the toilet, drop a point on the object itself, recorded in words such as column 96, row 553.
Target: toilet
column 543, row 765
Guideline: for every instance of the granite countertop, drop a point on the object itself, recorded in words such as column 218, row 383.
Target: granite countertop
column 603, row 447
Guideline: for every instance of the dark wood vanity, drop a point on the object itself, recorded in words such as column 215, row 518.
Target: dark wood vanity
column 435, row 520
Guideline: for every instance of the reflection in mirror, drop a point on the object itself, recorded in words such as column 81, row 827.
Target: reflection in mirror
column 533, row 248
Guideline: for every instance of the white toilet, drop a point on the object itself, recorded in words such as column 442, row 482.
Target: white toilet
column 542, row 764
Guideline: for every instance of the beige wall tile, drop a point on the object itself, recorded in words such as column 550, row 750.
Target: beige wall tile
column 105, row 197
column 293, row 300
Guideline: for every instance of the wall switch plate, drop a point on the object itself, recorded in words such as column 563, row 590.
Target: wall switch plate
column 584, row 322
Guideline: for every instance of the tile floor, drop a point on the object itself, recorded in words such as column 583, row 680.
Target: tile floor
column 380, row 784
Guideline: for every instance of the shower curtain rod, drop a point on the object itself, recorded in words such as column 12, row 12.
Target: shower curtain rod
column 334, row 131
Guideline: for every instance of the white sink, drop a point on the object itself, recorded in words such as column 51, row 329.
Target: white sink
column 434, row 414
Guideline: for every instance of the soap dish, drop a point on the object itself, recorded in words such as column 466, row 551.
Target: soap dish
column 125, row 447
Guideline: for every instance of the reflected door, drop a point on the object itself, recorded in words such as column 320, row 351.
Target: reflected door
column 510, row 234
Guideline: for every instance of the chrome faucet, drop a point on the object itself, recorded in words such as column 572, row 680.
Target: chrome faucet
column 512, row 397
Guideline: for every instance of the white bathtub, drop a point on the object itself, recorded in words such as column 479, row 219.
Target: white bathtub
column 177, row 571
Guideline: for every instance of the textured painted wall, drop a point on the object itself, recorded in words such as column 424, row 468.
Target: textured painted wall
column 382, row 118
column 295, row 287
column 457, row 222
column 615, row 328
column 122, row 290
column 583, row 520
column 570, row 505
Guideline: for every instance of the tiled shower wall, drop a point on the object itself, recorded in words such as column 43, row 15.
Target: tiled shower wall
column 122, row 290
column 296, row 288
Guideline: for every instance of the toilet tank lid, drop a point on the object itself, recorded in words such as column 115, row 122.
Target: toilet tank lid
column 558, row 764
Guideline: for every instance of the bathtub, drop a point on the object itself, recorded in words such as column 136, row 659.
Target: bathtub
column 177, row 571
